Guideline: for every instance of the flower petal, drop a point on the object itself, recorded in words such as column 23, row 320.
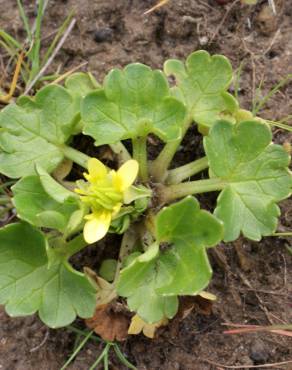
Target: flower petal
column 96, row 228
column 127, row 174
column 97, row 170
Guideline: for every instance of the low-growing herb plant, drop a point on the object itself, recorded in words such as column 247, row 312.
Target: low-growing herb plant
column 166, row 235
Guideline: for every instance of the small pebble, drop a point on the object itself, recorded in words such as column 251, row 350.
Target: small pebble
column 203, row 40
column 103, row 34
column 258, row 352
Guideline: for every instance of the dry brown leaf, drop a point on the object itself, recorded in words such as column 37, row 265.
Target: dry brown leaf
column 138, row 325
column 201, row 303
column 105, row 291
column 108, row 324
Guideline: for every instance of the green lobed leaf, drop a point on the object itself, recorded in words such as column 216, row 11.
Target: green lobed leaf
column 79, row 85
column 36, row 206
column 188, row 231
column 138, row 282
column 255, row 175
column 28, row 286
column 178, row 265
column 134, row 102
column 202, row 85
column 32, row 131
column 54, row 189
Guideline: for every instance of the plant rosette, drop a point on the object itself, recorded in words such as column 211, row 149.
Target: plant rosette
column 166, row 234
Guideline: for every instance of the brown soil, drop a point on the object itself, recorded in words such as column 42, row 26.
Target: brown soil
column 251, row 280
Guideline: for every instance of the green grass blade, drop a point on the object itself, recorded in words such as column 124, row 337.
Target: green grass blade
column 24, row 20
column 280, row 125
column 122, row 358
column 258, row 106
column 100, row 357
column 10, row 41
column 84, row 333
column 77, row 350
column 105, row 361
column 34, row 54
column 9, row 51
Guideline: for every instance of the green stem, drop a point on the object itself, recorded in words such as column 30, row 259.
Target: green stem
column 288, row 233
column 4, row 200
column 161, row 163
column 128, row 241
column 75, row 155
column 140, row 154
column 181, row 173
column 121, row 151
column 75, row 245
column 172, row 192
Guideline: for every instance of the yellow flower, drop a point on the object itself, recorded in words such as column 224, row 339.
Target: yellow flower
column 103, row 193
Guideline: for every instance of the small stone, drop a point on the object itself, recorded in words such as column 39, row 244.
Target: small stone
column 259, row 352
column 203, row 40
column 267, row 21
column 103, row 34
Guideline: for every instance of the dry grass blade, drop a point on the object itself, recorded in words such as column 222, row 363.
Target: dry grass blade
column 157, row 6
column 267, row 366
column 68, row 73
column 49, row 61
column 6, row 98
column 276, row 329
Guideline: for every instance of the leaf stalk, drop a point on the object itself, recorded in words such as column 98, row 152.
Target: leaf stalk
column 121, row 151
column 179, row 174
column 173, row 192
column 140, row 154
column 75, row 155
column 75, row 245
column 161, row 163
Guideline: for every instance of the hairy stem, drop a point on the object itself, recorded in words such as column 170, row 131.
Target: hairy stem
column 75, row 155
column 128, row 241
column 172, row 192
column 161, row 163
column 181, row 173
column 121, row 151
column 140, row 154
column 75, row 245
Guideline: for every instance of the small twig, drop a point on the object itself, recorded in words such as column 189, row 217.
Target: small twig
column 263, row 291
column 247, row 366
column 223, row 21
column 285, row 272
column 261, row 303
column 42, row 342
column 52, row 57
column 272, row 5
column 276, row 35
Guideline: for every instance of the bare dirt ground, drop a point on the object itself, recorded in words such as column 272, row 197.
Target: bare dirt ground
column 252, row 281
